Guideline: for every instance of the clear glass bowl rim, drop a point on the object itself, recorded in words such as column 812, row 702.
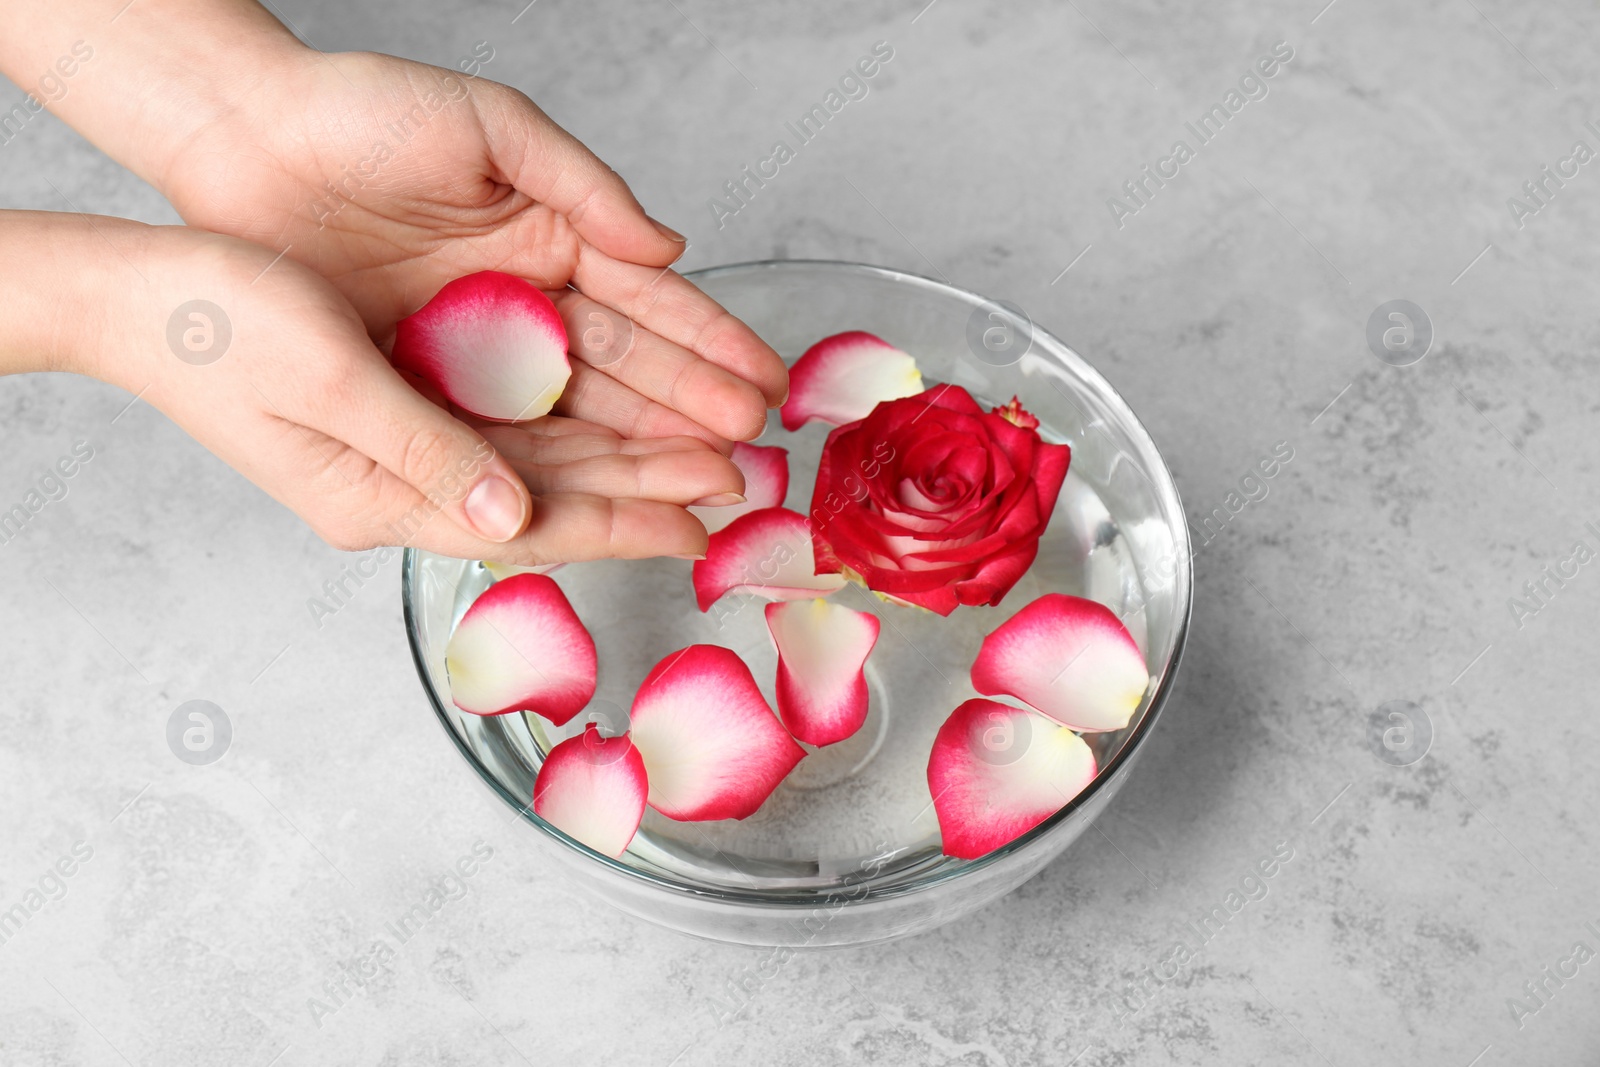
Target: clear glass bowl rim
column 808, row 898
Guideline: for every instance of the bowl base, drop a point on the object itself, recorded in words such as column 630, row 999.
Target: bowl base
column 843, row 760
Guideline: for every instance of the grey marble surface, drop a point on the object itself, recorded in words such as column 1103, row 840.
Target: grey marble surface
column 1231, row 310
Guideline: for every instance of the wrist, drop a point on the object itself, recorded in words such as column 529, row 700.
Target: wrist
column 166, row 304
column 146, row 82
column 115, row 299
column 218, row 102
column 64, row 291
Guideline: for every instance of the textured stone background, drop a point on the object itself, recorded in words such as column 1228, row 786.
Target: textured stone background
column 1230, row 312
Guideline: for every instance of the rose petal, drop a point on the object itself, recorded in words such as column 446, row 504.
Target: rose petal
column 766, row 483
column 953, row 398
column 941, row 601
column 767, row 553
column 711, row 745
column 996, row 772
column 1068, row 657
column 521, row 647
column 842, row 378
column 492, row 343
column 501, row 571
column 997, row 573
column 822, row 650
column 593, row 789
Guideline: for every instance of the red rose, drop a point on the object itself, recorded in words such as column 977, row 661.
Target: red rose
column 934, row 501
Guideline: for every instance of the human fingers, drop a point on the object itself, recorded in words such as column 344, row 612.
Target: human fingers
column 668, row 305
column 597, row 397
column 547, row 163
column 660, row 370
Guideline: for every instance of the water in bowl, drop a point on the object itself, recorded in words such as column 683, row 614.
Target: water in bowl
column 854, row 811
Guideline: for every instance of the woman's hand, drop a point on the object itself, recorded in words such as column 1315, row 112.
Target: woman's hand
column 386, row 178
column 390, row 178
column 278, row 377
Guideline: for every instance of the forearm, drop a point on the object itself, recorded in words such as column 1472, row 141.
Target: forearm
column 62, row 280
column 141, row 80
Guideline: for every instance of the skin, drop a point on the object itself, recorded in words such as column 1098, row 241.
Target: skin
column 341, row 438
column 320, row 242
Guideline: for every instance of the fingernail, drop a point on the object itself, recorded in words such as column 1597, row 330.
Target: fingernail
column 495, row 509
column 690, row 557
column 668, row 232
column 719, row 500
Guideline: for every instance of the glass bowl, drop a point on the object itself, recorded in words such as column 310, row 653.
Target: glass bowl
column 846, row 851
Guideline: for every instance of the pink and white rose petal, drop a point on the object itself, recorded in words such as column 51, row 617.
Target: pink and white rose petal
column 521, row 647
column 593, row 789
column 766, row 553
column 492, row 343
column 997, row 771
column 842, row 378
column 712, row 747
column 1068, row 657
column 822, row 656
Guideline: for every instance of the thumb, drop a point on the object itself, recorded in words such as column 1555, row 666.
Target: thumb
column 457, row 472
column 547, row 163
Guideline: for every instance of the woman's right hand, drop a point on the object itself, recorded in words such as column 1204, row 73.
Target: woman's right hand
column 275, row 373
